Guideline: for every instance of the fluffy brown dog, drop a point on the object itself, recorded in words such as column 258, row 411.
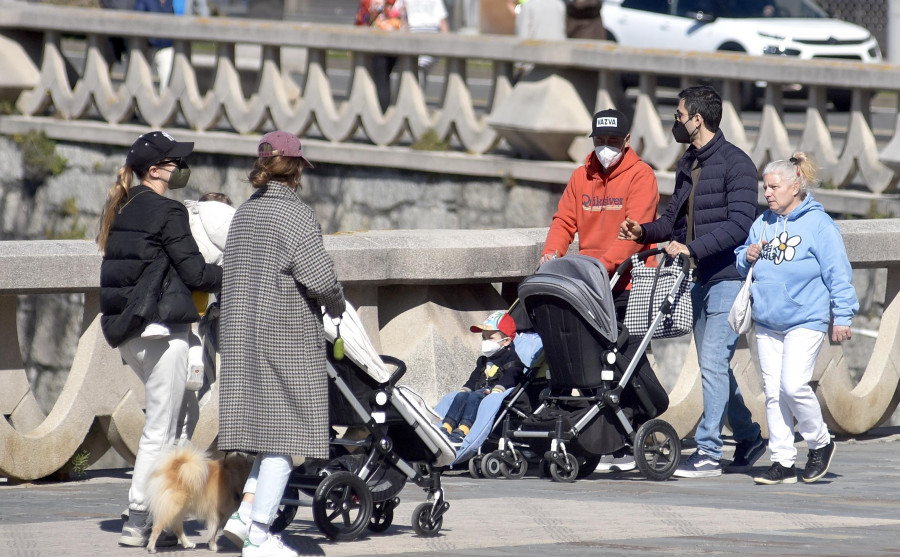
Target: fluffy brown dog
column 185, row 481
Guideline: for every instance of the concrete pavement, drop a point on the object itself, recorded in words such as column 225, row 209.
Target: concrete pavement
column 854, row 510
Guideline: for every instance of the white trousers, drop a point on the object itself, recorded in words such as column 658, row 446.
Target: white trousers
column 268, row 478
column 163, row 59
column 162, row 365
column 787, row 362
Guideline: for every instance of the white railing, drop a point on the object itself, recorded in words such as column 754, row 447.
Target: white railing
column 338, row 125
column 417, row 292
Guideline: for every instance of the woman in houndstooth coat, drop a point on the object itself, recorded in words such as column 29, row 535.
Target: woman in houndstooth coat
column 273, row 397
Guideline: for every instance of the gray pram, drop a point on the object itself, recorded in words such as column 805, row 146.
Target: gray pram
column 603, row 392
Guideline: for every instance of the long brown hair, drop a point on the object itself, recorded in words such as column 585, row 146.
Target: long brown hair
column 280, row 169
column 117, row 194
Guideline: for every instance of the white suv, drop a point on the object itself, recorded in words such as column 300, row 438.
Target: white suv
column 797, row 28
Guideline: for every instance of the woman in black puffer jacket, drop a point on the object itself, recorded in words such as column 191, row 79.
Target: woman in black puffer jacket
column 151, row 264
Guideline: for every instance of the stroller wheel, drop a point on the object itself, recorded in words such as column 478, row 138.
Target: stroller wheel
column 490, row 466
column 422, row 523
column 567, row 473
column 475, row 467
column 286, row 513
column 657, row 450
column 514, row 466
column 382, row 516
column 342, row 506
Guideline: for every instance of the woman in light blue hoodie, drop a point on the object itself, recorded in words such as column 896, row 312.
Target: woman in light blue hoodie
column 802, row 278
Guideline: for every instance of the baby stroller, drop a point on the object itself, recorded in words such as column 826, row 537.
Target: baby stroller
column 516, row 404
column 601, row 384
column 390, row 438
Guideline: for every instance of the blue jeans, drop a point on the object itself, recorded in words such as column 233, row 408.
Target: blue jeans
column 716, row 342
column 464, row 408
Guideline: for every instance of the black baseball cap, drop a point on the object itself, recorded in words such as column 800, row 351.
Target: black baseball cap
column 154, row 147
column 610, row 122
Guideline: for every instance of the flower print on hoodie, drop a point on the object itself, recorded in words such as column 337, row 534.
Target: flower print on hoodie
column 782, row 249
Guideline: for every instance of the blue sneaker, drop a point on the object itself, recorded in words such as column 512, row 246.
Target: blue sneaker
column 456, row 438
column 699, row 465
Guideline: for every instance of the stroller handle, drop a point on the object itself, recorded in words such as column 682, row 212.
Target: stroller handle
column 628, row 263
column 399, row 364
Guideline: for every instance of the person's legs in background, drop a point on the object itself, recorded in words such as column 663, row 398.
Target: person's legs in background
column 163, row 59
column 382, row 66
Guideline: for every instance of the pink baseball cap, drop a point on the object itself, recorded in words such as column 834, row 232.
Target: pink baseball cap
column 283, row 144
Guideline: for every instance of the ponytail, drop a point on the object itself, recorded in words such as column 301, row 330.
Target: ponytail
column 806, row 172
column 799, row 169
column 114, row 200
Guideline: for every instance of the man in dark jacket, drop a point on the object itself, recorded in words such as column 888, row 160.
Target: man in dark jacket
column 710, row 213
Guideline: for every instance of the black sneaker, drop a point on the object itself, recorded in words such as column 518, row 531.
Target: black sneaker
column 777, row 474
column 818, row 462
column 746, row 454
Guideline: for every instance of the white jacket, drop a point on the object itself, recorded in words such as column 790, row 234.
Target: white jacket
column 209, row 222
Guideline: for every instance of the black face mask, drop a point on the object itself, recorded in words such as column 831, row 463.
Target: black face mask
column 680, row 132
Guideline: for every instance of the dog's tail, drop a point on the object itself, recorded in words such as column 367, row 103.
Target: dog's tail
column 184, row 466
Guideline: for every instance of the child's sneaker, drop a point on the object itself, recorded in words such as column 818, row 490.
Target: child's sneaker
column 272, row 547
column 456, row 438
column 236, row 530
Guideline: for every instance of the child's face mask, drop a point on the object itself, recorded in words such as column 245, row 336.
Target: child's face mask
column 490, row 347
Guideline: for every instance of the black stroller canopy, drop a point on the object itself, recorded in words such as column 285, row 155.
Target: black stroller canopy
column 583, row 282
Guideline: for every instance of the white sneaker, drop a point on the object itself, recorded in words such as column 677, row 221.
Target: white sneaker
column 272, row 547
column 613, row 463
column 155, row 331
column 236, row 530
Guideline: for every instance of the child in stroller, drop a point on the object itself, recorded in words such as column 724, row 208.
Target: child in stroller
column 496, row 370
column 516, row 400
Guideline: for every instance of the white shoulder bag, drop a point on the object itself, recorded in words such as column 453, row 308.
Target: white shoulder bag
column 740, row 317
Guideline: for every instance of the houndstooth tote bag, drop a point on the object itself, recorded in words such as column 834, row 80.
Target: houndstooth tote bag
column 649, row 288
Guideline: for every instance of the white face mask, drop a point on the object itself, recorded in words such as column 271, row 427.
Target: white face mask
column 607, row 155
column 490, row 347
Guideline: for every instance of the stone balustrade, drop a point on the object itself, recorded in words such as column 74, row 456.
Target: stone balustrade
column 417, row 292
column 542, row 116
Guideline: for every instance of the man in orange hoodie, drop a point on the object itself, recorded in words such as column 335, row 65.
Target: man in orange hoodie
column 613, row 183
